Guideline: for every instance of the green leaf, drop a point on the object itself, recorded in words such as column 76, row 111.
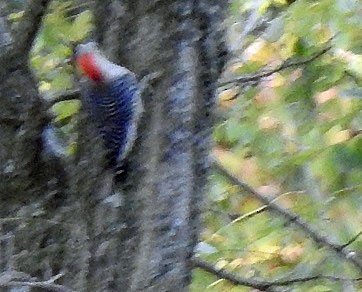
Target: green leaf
column 65, row 109
column 81, row 26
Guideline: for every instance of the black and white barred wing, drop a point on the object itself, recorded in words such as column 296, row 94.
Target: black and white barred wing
column 116, row 108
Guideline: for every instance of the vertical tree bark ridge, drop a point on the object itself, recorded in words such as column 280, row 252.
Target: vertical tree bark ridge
column 23, row 116
column 169, row 163
column 30, row 183
column 22, row 119
column 100, row 10
column 5, row 36
column 165, row 242
column 20, row 125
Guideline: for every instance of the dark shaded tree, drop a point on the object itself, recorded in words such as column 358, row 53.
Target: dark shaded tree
column 54, row 221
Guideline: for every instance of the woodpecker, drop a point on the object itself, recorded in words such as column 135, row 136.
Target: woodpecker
column 112, row 98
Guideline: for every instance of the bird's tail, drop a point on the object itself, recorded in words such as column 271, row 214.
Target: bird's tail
column 108, row 192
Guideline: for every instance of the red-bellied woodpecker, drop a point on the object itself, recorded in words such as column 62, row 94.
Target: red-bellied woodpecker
column 111, row 96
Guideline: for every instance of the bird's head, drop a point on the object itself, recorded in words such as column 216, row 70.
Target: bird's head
column 86, row 57
column 94, row 65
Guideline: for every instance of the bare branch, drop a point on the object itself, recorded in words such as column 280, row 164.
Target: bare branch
column 29, row 26
column 286, row 282
column 63, row 96
column 232, row 277
column 239, row 218
column 48, row 285
column 235, row 217
column 316, row 235
column 262, row 208
column 353, row 239
column 266, row 73
column 263, row 285
column 43, row 285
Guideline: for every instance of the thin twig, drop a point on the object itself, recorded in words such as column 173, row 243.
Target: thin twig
column 262, row 208
column 261, row 284
column 286, row 282
column 291, row 217
column 252, row 213
column 63, row 96
column 231, row 277
column 43, row 285
column 266, row 73
column 48, row 285
column 353, row 239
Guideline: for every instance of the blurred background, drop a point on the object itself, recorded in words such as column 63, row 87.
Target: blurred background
column 295, row 137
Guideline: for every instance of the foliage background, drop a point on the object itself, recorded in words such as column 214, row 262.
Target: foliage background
column 294, row 135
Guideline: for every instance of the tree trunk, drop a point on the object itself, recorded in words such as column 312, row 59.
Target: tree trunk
column 142, row 237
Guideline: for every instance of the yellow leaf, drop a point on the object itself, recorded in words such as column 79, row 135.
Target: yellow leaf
column 263, row 252
column 287, row 45
column 81, row 26
column 16, row 16
column 322, row 33
column 44, row 86
column 49, row 64
column 72, row 149
column 259, row 51
column 228, row 94
column 264, row 7
column 247, row 168
column 268, row 123
column 221, row 264
column 217, row 238
column 229, row 160
column 237, row 263
column 280, row 2
column 335, row 135
column 236, row 66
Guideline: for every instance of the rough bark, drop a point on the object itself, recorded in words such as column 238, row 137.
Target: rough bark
column 183, row 42
column 141, row 238
column 30, row 182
